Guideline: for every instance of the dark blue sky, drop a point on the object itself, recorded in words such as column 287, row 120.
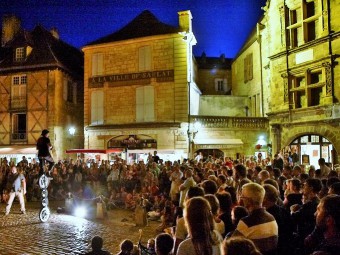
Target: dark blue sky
column 220, row 26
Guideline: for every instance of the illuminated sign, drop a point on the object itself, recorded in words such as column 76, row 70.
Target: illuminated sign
column 160, row 76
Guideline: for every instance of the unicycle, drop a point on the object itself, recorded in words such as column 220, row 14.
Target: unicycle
column 44, row 181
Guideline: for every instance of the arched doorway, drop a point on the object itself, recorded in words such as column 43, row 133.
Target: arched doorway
column 307, row 149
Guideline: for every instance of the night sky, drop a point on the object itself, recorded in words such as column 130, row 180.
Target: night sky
column 220, row 26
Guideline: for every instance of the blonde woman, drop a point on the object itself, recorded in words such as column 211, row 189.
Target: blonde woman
column 203, row 239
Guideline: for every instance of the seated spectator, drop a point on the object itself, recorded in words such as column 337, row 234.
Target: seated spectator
column 166, row 218
column 97, row 245
column 239, row 246
column 126, row 247
column 164, row 244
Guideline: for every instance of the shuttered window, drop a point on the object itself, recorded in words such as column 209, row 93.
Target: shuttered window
column 97, row 107
column 97, row 64
column 145, row 110
column 144, row 58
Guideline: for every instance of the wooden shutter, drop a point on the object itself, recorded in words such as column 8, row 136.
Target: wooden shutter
column 149, row 111
column 97, row 107
column 140, row 104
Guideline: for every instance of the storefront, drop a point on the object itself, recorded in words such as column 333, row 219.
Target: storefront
column 16, row 153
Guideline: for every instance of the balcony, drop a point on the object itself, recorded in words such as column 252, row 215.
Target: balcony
column 231, row 122
column 18, row 137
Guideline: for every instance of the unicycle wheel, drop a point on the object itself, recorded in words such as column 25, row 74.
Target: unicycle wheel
column 44, row 214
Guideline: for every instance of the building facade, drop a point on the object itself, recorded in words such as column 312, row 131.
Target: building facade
column 41, row 87
column 300, row 46
column 137, row 82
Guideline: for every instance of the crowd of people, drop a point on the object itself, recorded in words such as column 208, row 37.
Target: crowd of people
column 207, row 205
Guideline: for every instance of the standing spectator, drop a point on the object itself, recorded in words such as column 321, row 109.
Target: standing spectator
column 17, row 185
column 184, row 187
column 303, row 216
column 97, row 245
column 278, row 161
column 260, row 226
column 203, row 239
column 328, row 225
column 176, row 181
column 323, row 167
column 282, row 217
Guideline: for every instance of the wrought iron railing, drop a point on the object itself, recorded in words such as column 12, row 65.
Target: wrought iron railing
column 231, row 122
column 19, row 136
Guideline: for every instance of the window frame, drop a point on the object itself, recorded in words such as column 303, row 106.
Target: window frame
column 20, row 54
column 302, row 88
column 298, row 28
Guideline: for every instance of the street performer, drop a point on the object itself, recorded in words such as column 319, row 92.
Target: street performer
column 17, row 186
column 44, row 147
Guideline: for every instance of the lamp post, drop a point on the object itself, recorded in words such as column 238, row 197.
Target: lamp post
column 193, row 129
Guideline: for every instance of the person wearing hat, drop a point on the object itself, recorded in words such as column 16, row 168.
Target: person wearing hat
column 44, row 146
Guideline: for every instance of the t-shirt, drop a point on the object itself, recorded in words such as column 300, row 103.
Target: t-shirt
column 187, row 247
column 43, row 146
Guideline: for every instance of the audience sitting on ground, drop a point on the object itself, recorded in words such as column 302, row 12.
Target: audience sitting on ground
column 97, row 245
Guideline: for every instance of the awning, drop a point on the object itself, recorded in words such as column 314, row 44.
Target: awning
column 18, row 149
column 94, row 151
column 219, row 141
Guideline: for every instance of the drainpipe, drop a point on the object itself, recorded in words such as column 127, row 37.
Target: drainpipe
column 259, row 40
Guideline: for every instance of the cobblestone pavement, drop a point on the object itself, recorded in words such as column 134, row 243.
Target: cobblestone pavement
column 65, row 234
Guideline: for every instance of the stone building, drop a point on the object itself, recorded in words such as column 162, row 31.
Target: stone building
column 136, row 88
column 295, row 49
column 41, row 87
column 143, row 92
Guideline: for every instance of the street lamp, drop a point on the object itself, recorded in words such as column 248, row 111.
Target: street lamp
column 193, row 129
column 72, row 130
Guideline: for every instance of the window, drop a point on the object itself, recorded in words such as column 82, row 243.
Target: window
column 20, row 54
column 18, row 91
column 144, row 58
column 303, row 22
column 97, row 107
column 307, row 89
column 248, row 68
column 219, row 85
column 19, row 126
column 145, row 104
column 70, row 91
column 97, row 64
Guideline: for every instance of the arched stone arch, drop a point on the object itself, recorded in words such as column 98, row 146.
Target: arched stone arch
column 289, row 134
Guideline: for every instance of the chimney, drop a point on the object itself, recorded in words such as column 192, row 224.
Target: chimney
column 222, row 58
column 11, row 25
column 55, row 33
column 185, row 23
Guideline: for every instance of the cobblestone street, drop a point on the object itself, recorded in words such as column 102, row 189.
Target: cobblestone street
column 65, row 234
